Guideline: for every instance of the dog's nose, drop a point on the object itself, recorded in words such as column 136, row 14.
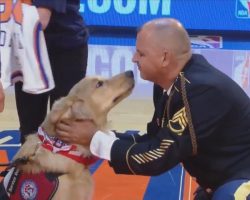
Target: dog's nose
column 129, row 74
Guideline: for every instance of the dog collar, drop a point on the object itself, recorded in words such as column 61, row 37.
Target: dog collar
column 56, row 145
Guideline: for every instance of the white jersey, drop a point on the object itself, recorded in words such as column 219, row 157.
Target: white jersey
column 23, row 51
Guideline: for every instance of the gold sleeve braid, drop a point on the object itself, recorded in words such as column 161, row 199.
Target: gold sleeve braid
column 127, row 154
column 127, row 160
column 151, row 155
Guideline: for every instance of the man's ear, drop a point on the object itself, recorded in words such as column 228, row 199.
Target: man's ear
column 165, row 58
column 80, row 111
column 59, row 108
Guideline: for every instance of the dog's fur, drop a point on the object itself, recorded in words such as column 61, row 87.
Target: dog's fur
column 91, row 98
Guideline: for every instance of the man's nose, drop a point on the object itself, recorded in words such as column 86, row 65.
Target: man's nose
column 134, row 58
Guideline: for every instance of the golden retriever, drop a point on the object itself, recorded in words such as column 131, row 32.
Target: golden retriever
column 91, row 98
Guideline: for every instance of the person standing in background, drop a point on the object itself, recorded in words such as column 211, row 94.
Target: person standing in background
column 66, row 38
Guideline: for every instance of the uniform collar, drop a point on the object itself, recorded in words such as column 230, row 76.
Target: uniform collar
column 169, row 90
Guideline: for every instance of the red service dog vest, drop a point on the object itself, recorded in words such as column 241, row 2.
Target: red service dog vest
column 24, row 186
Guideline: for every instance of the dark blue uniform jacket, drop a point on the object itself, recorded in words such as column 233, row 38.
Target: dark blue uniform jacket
column 220, row 112
column 66, row 28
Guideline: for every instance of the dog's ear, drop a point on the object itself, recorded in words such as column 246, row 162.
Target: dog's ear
column 59, row 108
column 80, row 110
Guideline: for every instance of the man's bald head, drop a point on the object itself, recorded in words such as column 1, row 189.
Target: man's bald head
column 169, row 34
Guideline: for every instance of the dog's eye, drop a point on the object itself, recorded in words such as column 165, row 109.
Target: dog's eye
column 99, row 84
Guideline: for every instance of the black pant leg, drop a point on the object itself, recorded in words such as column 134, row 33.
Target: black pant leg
column 69, row 67
column 31, row 109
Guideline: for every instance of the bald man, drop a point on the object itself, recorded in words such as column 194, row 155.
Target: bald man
column 201, row 119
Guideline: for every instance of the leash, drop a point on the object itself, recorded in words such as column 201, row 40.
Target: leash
column 16, row 162
column 5, row 164
column 9, row 165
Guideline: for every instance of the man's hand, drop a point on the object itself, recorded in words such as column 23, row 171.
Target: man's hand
column 76, row 132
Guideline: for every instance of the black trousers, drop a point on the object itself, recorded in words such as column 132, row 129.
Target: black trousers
column 68, row 67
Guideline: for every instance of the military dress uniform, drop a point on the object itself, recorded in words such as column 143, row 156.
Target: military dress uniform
column 208, row 130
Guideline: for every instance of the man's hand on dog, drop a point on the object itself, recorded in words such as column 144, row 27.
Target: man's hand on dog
column 76, row 132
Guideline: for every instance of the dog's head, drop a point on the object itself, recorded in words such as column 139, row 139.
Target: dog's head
column 91, row 98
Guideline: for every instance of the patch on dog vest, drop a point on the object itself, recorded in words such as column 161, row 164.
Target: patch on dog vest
column 32, row 186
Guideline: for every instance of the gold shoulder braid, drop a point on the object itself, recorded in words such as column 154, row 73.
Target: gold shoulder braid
column 188, row 112
column 189, row 117
column 165, row 115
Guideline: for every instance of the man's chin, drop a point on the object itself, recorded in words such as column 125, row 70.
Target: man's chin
column 143, row 76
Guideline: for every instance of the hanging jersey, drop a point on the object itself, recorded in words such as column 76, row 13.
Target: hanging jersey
column 23, row 49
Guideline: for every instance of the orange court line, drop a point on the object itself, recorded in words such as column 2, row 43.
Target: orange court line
column 190, row 186
column 3, row 159
column 111, row 186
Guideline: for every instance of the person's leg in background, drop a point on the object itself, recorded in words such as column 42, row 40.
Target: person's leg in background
column 69, row 67
column 31, row 110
